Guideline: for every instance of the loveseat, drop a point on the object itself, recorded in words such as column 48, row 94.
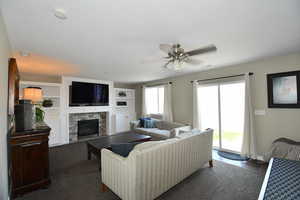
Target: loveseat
column 154, row 167
column 161, row 130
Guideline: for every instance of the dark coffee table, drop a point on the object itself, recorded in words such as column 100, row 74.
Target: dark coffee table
column 95, row 146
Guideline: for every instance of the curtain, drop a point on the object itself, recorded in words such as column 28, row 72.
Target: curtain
column 167, row 112
column 144, row 108
column 196, row 119
column 249, row 139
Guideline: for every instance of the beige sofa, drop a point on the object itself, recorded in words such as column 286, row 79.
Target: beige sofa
column 154, row 167
column 163, row 129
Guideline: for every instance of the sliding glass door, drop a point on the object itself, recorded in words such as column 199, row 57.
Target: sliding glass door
column 221, row 107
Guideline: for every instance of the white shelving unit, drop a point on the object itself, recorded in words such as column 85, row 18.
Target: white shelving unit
column 124, row 113
column 52, row 114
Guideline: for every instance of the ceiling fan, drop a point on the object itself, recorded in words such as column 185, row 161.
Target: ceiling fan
column 177, row 55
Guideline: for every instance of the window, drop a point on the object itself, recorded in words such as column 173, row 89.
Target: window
column 154, row 99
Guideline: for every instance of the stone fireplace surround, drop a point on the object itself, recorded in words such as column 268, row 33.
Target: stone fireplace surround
column 75, row 117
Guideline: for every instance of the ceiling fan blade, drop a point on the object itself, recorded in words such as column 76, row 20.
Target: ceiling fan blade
column 202, row 50
column 167, row 63
column 165, row 48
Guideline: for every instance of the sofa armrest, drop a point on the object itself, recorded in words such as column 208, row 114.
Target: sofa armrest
column 135, row 124
column 118, row 174
column 107, row 154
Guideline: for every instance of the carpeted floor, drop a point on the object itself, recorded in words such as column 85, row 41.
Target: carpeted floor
column 75, row 178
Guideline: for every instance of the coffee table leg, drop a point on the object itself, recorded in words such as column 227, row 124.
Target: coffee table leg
column 89, row 152
column 99, row 160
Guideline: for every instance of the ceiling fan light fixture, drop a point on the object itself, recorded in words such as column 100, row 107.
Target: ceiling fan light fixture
column 60, row 13
column 175, row 65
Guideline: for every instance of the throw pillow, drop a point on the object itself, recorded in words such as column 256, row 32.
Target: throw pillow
column 149, row 123
column 143, row 121
column 123, row 149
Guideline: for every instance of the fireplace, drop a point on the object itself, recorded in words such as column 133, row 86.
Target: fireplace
column 88, row 127
column 80, row 125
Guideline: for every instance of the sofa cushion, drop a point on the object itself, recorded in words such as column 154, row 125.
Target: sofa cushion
column 165, row 125
column 123, row 149
column 154, row 132
column 160, row 133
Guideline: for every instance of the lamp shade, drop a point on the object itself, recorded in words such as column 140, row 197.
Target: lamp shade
column 33, row 93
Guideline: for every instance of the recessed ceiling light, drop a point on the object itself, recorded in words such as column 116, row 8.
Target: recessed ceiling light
column 60, row 13
column 24, row 53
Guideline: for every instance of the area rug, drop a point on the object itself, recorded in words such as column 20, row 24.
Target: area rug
column 232, row 156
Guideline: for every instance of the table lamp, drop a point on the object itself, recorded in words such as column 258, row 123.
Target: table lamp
column 35, row 94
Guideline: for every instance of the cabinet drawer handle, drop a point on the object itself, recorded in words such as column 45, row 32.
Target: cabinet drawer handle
column 31, row 144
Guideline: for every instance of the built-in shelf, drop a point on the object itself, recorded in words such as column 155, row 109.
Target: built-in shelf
column 45, row 96
column 124, row 98
column 50, row 108
column 52, row 116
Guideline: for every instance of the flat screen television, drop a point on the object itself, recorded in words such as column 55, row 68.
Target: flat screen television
column 89, row 94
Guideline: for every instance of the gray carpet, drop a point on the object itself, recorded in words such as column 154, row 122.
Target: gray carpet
column 75, row 178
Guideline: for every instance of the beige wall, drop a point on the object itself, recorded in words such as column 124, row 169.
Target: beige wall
column 5, row 53
column 124, row 85
column 276, row 123
column 40, row 78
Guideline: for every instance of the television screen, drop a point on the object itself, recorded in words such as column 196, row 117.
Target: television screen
column 89, row 94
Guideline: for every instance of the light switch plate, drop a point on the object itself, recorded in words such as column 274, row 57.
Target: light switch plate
column 259, row 112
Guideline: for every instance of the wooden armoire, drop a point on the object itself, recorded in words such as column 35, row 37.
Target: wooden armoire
column 28, row 151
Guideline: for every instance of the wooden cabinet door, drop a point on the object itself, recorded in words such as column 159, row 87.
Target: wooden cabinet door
column 30, row 163
column 35, row 162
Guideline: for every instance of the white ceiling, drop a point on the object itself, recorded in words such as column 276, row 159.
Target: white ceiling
column 115, row 39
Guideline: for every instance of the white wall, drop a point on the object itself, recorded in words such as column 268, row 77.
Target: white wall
column 276, row 123
column 5, row 53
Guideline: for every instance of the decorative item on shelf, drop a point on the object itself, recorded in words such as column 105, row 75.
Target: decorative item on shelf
column 122, row 94
column 47, row 103
column 35, row 94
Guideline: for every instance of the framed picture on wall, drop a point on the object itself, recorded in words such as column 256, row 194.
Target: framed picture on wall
column 284, row 90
